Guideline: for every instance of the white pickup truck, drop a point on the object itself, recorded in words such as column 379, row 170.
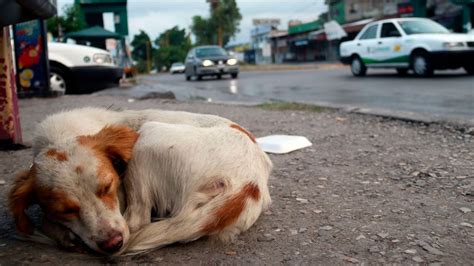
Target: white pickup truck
column 80, row 69
column 419, row 44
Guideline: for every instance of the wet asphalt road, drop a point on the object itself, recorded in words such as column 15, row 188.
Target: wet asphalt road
column 449, row 94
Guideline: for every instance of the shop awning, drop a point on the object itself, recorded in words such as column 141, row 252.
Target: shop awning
column 95, row 32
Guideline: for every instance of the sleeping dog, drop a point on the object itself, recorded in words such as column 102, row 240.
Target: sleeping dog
column 198, row 174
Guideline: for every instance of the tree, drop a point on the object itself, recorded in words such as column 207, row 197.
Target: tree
column 142, row 51
column 173, row 45
column 222, row 25
column 72, row 21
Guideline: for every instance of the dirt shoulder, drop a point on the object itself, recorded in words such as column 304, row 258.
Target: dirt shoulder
column 369, row 190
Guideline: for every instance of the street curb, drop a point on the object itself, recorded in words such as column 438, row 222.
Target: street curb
column 405, row 116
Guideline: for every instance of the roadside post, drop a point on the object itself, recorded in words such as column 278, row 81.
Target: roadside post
column 14, row 12
column 10, row 130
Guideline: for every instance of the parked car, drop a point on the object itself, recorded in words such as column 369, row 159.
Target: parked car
column 81, row 69
column 177, row 68
column 419, row 44
column 210, row 61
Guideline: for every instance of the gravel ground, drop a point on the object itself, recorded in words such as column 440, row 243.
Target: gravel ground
column 369, row 190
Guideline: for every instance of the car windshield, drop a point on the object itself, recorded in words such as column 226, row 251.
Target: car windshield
column 421, row 27
column 210, row 52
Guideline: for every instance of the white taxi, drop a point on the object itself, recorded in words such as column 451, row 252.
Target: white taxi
column 419, row 44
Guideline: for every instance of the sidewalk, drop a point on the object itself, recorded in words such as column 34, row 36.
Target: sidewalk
column 369, row 190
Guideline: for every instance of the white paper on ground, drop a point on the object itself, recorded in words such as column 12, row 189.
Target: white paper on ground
column 280, row 144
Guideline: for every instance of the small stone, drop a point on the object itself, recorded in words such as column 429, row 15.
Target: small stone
column 326, row 227
column 374, row 249
column 303, row 211
column 231, row 253
column 131, row 100
column 301, row 200
column 461, row 177
column 416, row 173
column 302, row 230
column 395, row 240
column 360, row 237
column 278, row 230
column 418, row 259
column 2, row 182
column 158, row 259
column 466, row 224
column 320, row 186
column 410, row 251
column 322, row 178
column 382, row 235
column 465, row 209
column 265, row 238
column 428, row 247
column 351, row 260
column 3, row 245
column 293, row 232
column 317, row 211
column 377, row 216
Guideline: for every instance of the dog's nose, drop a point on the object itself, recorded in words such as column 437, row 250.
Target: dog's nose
column 112, row 245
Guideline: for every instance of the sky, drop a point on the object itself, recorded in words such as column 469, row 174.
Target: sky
column 156, row 16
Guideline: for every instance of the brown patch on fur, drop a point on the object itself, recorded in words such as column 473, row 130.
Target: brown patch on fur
column 56, row 204
column 79, row 169
column 60, row 156
column 21, row 196
column 112, row 142
column 230, row 211
column 246, row 132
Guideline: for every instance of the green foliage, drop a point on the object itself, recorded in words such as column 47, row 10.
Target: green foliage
column 204, row 30
column 226, row 16
column 140, row 42
column 282, row 106
column 72, row 21
column 173, row 45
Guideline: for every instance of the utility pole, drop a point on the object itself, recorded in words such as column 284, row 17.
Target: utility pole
column 148, row 55
column 214, row 5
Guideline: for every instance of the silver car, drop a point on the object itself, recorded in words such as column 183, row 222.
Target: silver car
column 210, row 60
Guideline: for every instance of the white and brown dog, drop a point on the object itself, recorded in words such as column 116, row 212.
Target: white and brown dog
column 198, row 174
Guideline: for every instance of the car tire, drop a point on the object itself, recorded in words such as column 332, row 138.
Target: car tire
column 358, row 67
column 219, row 76
column 234, row 75
column 402, row 71
column 188, row 78
column 59, row 81
column 469, row 69
column 420, row 64
column 199, row 77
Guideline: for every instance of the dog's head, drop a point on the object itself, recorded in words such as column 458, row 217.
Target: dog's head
column 77, row 184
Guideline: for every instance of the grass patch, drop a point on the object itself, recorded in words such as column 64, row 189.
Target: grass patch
column 292, row 106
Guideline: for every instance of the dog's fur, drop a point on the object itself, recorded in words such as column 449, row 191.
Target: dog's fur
column 200, row 174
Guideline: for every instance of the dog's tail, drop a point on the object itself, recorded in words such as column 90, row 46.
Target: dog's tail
column 225, row 216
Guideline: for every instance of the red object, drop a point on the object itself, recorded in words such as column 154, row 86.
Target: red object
column 10, row 130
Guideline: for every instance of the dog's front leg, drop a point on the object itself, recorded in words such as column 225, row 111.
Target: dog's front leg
column 138, row 211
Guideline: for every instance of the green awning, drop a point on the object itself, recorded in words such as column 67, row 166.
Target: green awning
column 95, row 32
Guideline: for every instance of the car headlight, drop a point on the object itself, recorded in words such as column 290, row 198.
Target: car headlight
column 207, row 63
column 453, row 45
column 232, row 61
column 102, row 59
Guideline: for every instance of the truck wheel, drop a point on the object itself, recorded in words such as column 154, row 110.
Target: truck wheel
column 188, row 78
column 199, row 77
column 358, row 68
column 58, row 81
column 469, row 69
column 234, row 75
column 421, row 64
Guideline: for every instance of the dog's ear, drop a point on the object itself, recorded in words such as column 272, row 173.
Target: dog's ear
column 116, row 141
column 21, row 197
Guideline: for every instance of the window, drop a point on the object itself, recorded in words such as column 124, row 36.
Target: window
column 421, row 26
column 389, row 30
column 370, row 33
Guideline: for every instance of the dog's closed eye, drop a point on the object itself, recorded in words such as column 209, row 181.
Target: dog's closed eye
column 104, row 190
